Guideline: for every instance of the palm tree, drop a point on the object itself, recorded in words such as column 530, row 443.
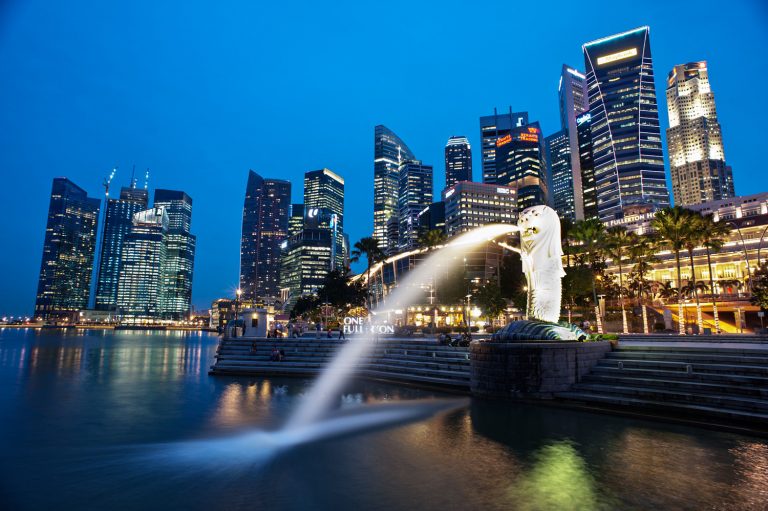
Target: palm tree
column 432, row 238
column 591, row 236
column 713, row 238
column 642, row 253
column 693, row 239
column 368, row 247
column 566, row 232
column 671, row 225
column 618, row 240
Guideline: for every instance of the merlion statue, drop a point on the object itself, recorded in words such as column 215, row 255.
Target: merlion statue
column 541, row 252
column 542, row 255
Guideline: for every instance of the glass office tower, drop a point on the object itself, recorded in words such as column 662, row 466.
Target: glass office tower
column 694, row 138
column 180, row 247
column 389, row 152
column 68, row 250
column 141, row 292
column 587, row 165
column 629, row 164
column 493, row 127
column 520, row 165
column 574, row 101
column 265, row 228
column 561, row 175
column 118, row 220
column 415, row 194
column 458, row 161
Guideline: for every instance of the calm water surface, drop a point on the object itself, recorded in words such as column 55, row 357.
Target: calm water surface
column 85, row 418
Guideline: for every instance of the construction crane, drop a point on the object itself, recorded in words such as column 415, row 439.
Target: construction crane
column 108, row 180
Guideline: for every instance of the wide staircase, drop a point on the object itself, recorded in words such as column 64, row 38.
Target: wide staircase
column 415, row 361
column 716, row 383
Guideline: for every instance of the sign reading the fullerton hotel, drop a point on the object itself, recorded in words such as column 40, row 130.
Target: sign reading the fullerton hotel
column 361, row 324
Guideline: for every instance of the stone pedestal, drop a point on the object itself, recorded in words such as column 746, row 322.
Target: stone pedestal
column 530, row 369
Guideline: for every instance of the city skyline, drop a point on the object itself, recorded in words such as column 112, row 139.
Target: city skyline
column 214, row 170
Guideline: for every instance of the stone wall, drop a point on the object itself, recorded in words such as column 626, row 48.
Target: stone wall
column 530, row 369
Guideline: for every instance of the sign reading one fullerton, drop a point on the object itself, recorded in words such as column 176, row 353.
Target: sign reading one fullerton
column 360, row 325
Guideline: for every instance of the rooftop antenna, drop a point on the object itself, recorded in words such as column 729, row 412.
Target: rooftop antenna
column 146, row 179
column 133, row 179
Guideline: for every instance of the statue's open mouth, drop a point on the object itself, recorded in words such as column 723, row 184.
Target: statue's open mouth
column 530, row 231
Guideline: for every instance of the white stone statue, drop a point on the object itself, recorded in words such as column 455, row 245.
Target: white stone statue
column 542, row 255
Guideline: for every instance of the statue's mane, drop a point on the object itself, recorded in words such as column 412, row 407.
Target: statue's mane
column 548, row 246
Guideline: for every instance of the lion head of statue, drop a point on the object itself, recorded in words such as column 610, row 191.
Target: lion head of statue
column 540, row 233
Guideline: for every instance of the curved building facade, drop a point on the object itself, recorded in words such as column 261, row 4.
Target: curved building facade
column 626, row 138
column 389, row 153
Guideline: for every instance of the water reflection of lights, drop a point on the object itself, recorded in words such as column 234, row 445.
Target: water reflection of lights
column 558, row 479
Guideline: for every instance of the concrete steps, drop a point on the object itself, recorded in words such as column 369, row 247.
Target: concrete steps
column 717, row 382
column 412, row 360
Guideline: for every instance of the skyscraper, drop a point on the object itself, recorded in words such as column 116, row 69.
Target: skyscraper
column 587, row 165
column 178, row 207
column 574, row 101
column 415, row 194
column 324, row 202
column 296, row 220
column 520, row 164
column 141, row 291
column 493, row 127
column 694, row 139
column 325, row 189
column 118, row 220
column 68, row 251
column 629, row 165
column 560, row 170
column 388, row 154
column 178, row 267
column 318, row 246
column 469, row 205
column 458, row 161
column 265, row 228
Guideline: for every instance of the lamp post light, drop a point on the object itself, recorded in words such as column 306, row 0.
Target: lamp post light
column 746, row 255
column 469, row 329
column 237, row 311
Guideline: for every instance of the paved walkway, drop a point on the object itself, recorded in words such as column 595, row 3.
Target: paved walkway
column 746, row 345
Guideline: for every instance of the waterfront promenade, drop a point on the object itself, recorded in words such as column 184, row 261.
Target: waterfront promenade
column 718, row 381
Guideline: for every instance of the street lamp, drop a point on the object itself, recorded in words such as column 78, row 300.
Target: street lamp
column 469, row 329
column 237, row 310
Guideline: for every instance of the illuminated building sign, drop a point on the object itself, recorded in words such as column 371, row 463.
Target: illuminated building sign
column 506, row 139
column 583, row 118
column 613, row 57
column 532, row 130
column 450, row 192
column 359, row 325
column 505, row 191
column 529, row 137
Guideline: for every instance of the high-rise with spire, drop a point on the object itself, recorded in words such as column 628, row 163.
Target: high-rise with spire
column 118, row 219
column 694, row 138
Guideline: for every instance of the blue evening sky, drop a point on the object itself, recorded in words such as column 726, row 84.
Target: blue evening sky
column 200, row 92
